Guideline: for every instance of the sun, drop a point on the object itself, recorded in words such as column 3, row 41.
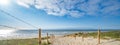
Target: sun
column 4, row 2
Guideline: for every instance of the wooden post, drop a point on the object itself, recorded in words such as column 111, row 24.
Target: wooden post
column 98, row 36
column 47, row 39
column 39, row 38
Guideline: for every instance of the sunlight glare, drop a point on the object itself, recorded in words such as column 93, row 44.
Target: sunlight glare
column 6, row 31
column 4, row 2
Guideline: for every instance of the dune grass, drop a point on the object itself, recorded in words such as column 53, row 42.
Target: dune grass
column 33, row 41
column 19, row 42
column 103, row 35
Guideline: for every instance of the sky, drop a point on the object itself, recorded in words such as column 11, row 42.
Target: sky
column 61, row 14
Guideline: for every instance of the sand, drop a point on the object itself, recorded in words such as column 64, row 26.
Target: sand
column 79, row 41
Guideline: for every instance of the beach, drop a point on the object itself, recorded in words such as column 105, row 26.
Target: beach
column 85, row 41
column 78, row 38
column 61, row 41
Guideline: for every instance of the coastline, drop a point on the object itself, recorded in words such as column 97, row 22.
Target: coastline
column 75, row 38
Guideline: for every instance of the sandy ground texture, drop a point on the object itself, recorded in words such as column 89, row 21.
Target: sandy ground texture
column 80, row 41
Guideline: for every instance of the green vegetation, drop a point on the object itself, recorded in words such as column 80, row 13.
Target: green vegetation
column 19, row 42
column 107, row 35
column 33, row 41
column 103, row 35
column 45, row 43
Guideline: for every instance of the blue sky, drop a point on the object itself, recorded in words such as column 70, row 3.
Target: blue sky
column 62, row 14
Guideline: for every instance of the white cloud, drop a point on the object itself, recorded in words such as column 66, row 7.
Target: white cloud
column 50, row 7
column 76, row 14
column 111, row 8
column 74, row 8
column 25, row 3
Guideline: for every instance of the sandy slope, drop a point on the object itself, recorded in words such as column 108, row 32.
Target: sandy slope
column 79, row 41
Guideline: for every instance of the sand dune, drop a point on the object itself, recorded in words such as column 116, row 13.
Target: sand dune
column 79, row 41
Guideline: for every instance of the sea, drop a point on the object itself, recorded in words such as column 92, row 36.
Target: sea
column 23, row 34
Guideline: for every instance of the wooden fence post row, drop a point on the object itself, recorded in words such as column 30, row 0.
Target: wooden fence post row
column 52, row 36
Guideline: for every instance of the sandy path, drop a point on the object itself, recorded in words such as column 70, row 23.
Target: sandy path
column 79, row 41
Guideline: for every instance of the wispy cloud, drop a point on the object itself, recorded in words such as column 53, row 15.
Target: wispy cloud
column 25, row 3
column 75, row 8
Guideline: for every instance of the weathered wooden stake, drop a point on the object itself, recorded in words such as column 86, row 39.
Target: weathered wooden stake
column 98, row 36
column 47, row 39
column 39, row 38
